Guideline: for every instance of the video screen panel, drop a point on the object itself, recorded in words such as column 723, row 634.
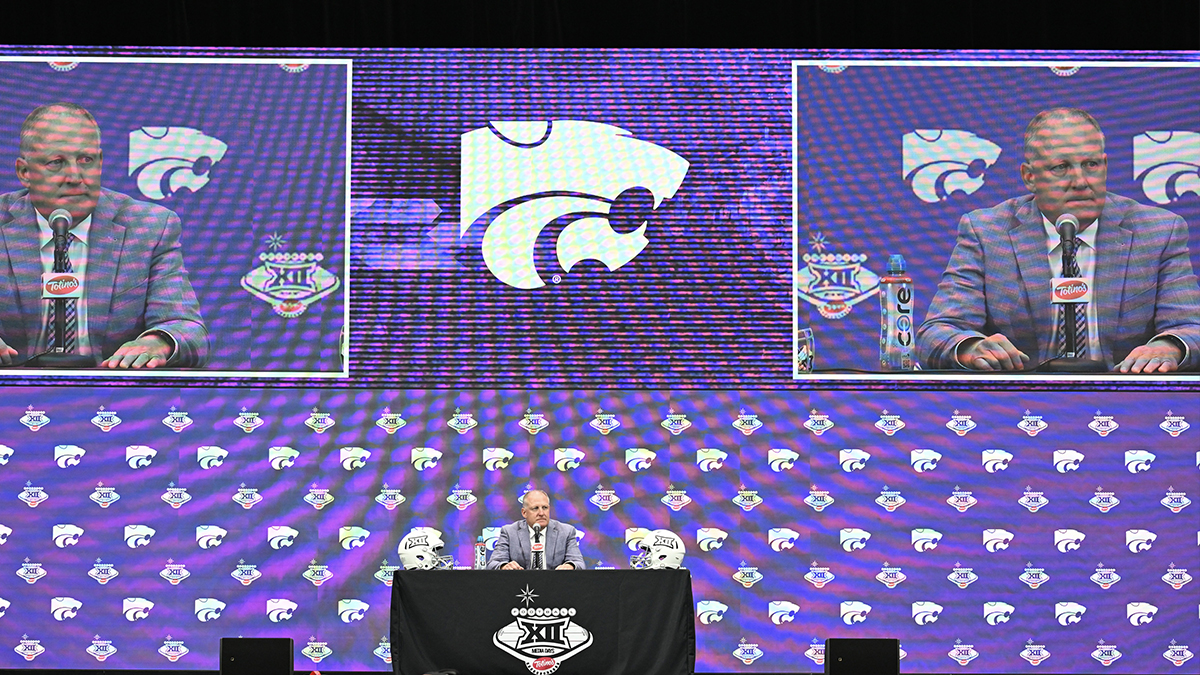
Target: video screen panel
column 252, row 158
column 890, row 155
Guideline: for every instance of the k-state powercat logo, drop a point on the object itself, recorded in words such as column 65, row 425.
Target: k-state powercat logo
column 167, row 159
column 567, row 171
column 940, row 162
column 1168, row 164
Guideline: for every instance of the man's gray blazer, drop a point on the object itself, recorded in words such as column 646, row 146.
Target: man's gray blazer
column 135, row 279
column 513, row 544
column 998, row 281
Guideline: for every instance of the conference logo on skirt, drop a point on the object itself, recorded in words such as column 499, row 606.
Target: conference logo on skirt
column 542, row 637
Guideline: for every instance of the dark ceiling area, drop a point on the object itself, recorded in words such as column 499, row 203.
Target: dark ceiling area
column 801, row 24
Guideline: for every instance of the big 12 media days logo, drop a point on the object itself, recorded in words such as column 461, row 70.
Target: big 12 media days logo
column 565, row 171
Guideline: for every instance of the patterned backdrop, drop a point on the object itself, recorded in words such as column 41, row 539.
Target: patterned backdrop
column 995, row 529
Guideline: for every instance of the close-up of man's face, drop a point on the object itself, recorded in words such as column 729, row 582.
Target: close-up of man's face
column 1066, row 169
column 60, row 163
column 536, row 509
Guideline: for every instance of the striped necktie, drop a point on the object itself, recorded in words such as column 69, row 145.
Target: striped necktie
column 71, row 320
column 1081, row 328
column 537, row 555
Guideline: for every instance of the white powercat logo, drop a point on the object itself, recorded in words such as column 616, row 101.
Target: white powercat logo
column 548, row 171
column 940, row 162
column 1168, row 164
column 167, row 159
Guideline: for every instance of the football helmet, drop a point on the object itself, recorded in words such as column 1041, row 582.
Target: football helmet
column 659, row 550
column 419, row 550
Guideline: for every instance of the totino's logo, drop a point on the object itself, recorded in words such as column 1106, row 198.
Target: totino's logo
column 939, row 162
column 1068, row 290
column 1168, row 164
column 166, row 160
column 565, row 176
column 62, row 284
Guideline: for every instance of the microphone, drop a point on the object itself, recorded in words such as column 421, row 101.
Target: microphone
column 60, row 223
column 1073, row 294
column 1067, row 226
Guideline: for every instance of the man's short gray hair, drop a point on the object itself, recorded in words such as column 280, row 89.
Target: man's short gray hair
column 31, row 120
column 526, row 496
column 1055, row 115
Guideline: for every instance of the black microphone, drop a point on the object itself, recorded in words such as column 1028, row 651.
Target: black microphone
column 1067, row 226
column 60, row 223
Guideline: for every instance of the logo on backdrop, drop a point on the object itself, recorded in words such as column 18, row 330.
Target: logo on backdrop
column 173, row 650
column 166, row 160
column 834, row 282
column 939, row 162
column 556, row 171
column 1167, row 163
column 542, row 637
column 289, row 281
column 710, row 611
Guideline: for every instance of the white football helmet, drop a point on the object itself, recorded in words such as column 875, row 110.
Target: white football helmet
column 659, row 550
column 419, row 549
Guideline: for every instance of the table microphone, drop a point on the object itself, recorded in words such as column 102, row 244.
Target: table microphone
column 1073, row 293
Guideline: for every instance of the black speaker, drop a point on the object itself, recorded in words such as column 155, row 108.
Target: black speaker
column 862, row 656
column 256, row 656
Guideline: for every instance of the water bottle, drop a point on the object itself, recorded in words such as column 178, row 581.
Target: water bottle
column 896, row 331
column 480, row 553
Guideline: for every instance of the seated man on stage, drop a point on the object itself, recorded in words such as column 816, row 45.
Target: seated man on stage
column 138, row 308
column 537, row 542
column 993, row 309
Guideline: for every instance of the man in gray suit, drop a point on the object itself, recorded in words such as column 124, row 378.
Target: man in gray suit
column 519, row 543
column 992, row 310
column 138, row 308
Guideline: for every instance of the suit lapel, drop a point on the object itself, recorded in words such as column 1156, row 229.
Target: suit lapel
column 1113, row 245
column 1028, row 240
column 22, row 242
column 105, row 240
column 552, row 535
column 523, row 544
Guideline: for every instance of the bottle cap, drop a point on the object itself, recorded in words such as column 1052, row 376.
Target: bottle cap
column 895, row 264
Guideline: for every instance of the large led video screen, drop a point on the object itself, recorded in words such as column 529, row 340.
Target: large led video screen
column 890, row 155
column 991, row 532
column 220, row 210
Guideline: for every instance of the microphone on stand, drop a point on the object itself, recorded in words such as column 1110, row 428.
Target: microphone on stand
column 59, row 285
column 1073, row 294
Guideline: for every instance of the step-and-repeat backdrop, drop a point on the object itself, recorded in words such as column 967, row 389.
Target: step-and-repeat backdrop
column 990, row 532
column 562, row 266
